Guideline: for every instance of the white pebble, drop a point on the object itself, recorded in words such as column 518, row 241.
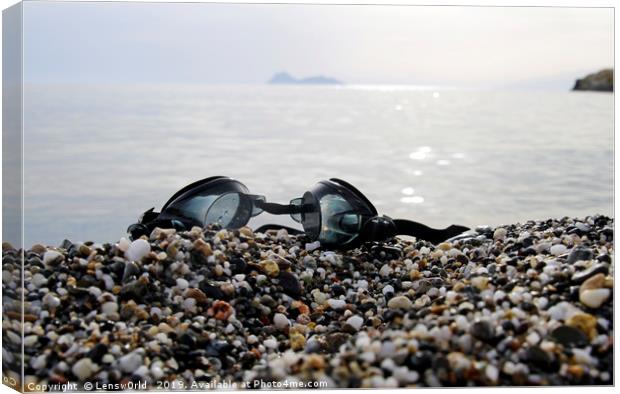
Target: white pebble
column 500, row 234
column 124, row 244
column 491, row 373
column 270, row 343
column 157, row 372
column 385, row 270
column 182, row 284
column 38, row 362
column 400, row 302
column 594, row 298
column 39, row 280
column 138, row 249
column 583, row 357
column 355, row 322
column 51, row 300
column 387, row 289
column 30, row 340
column 130, row 362
column 336, row 304
column 404, row 375
column 533, row 338
column 461, row 322
column 563, row 311
column 558, row 249
column 281, row 321
column 312, row 246
column 109, row 308
column 189, row 304
column 84, row 368
column 95, row 291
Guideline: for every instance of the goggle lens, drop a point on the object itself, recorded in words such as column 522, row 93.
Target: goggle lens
column 340, row 222
column 232, row 210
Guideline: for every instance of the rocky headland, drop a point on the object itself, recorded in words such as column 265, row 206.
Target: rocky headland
column 602, row 81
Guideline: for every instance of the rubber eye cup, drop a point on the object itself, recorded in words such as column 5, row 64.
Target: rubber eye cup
column 311, row 216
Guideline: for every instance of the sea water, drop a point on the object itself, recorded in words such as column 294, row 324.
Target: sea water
column 98, row 156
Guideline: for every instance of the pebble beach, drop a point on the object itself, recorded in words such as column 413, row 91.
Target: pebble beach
column 527, row 304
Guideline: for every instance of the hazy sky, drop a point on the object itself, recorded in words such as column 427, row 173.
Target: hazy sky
column 226, row 43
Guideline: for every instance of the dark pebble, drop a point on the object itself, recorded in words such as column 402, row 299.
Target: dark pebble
column 97, row 352
column 581, row 276
column 238, row 265
column 579, row 253
column 569, row 336
column 483, row 331
column 133, row 290
column 331, row 342
column 130, row 271
column 210, row 290
column 290, row 284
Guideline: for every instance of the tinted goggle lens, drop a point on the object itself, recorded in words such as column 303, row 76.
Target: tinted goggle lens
column 328, row 217
column 233, row 210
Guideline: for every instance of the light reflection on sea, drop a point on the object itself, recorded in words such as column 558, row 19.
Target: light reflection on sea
column 97, row 157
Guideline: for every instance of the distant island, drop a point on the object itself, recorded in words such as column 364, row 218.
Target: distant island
column 283, row 78
column 602, row 81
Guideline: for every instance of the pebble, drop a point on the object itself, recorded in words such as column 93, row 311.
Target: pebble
column 109, row 308
column 491, row 372
column 336, row 304
column 569, row 336
column 124, row 244
column 203, row 247
column 493, row 307
column 584, row 322
column 297, row 341
column 182, row 283
column 270, row 343
column 84, row 368
column 137, row 250
column 52, row 257
column 385, row 270
column 400, row 302
column 581, row 276
column 269, row 267
column 39, row 280
column 281, row 321
column 355, row 322
column 482, row 330
column 387, row 289
column 290, row 284
column 579, row 253
column 500, row 234
column 130, row 362
column 312, row 246
column 594, row 298
column 51, row 300
column 558, row 250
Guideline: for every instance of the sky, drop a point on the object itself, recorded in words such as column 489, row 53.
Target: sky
column 514, row 47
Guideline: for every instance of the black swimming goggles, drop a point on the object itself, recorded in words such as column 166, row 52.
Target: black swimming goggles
column 333, row 212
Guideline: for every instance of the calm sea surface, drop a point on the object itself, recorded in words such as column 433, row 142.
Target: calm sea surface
column 97, row 157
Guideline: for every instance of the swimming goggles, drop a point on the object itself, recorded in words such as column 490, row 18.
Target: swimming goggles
column 332, row 212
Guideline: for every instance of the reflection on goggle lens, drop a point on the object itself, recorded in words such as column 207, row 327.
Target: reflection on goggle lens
column 223, row 210
column 340, row 223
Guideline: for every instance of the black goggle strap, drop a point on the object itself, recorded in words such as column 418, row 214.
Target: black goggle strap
column 421, row 231
column 149, row 220
column 281, row 209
